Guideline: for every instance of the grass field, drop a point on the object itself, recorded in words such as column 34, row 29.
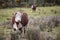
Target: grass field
column 40, row 12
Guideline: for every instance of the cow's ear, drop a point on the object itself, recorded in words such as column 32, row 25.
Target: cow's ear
column 15, row 13
column 12, row 13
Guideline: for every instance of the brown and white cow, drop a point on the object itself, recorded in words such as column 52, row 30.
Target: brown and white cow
column 33, row 7
column 20, row 21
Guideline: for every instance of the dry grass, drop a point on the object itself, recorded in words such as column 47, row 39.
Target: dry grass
column 6, row 14
column 33, row 35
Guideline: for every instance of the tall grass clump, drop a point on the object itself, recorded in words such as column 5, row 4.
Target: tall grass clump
column 58, row 36
column 1, row 37
column 33, row 35
column 15, row 35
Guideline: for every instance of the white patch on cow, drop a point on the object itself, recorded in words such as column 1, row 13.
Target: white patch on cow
column 15, row 26
column 18, row 17
column 32, row 6
column 20, row 25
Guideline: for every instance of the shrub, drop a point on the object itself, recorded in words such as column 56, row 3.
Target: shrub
column 33, row 35
column 58, row 36
column 1, row 37
column 15, row 35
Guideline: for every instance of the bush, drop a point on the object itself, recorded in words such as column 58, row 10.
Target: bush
column 15, row 35
column 58, row 36
column 33, row 35
column 1, row 37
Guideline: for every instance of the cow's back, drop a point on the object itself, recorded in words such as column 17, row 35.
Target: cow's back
column 24, row 19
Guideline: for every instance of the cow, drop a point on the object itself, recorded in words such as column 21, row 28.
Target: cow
column 20, row 21
column 33, row 7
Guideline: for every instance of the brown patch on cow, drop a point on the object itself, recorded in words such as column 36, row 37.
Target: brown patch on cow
column 24, row 19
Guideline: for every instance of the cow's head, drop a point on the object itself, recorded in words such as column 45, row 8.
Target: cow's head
column 17, row 20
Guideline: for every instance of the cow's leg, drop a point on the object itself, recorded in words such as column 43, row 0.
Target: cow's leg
column 25, row 29
column 20, row 29
column 22, row 32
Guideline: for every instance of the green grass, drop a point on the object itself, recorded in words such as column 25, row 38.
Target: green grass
column 44, row 11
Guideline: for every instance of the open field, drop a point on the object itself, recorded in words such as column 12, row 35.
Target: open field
column 40, row 12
